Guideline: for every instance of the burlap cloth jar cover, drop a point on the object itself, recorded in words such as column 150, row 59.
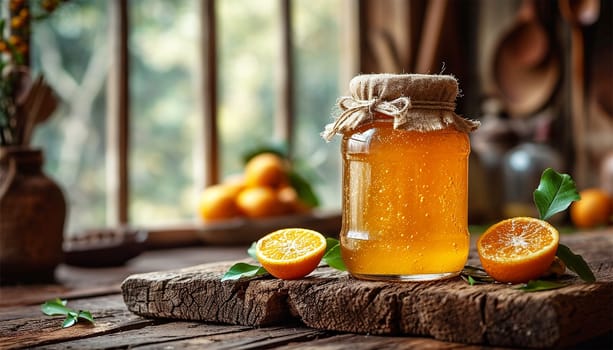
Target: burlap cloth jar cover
column 417, row 102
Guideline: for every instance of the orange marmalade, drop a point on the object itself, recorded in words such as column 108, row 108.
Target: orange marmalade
column 405, row 177
column 405, row 202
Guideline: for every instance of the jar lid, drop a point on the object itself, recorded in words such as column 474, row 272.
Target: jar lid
column 420, row 102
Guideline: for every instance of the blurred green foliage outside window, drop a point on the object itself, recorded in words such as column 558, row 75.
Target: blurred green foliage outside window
column 73, row 50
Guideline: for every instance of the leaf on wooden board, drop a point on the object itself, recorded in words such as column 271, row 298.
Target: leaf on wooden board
column 554, row 194
column 540, row 285
column 86, row 315
column 55, row 307
column 333, row 258
column 330, row 243
column 243, row 270
column 475, row 275
column 575, row 263
column 58, row 307
column 69, row 321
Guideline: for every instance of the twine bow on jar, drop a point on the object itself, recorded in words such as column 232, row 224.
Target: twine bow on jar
column 357, row 112
column 412, row 101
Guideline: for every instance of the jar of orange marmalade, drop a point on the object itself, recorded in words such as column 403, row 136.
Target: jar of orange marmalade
column 405, row 177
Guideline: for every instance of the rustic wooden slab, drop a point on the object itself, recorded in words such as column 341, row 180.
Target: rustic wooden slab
column 448, row 310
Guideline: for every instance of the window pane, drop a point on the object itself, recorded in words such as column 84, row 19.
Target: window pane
column 248, row 37
column 165, row 163
column 165, row 118
column 71, row 48
column 317, row 61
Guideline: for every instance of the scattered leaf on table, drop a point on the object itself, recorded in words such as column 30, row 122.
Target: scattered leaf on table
column 58, row 307
column 476, row 275
column 55, row 307
column 86, row 315
column 332, row 257
column 554, row 194
column 243, row 270
column 330, row 243
column 575, row 263
column 540, row 285
column 69, row 321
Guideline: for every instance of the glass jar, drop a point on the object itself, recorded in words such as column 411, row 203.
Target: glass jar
column 405, row 186
column 522, row 167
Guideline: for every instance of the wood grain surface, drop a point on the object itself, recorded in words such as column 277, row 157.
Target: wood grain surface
column 450, row 310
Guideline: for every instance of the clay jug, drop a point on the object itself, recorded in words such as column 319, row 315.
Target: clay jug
column 32, row 216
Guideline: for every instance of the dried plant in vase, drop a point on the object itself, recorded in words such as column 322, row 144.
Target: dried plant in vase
column 24, row 102
column 32, row 205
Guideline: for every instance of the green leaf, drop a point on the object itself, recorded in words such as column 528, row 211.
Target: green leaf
column 55, row 307
column 330, row 243
column 539, row 285
column 471, row 281
column 298, row 182
column 333, row 258
column 303, row 189
column 58, row 307
column 251, row 250
column 575, row 263
column 86, row 315
column 475, row 275
column 554, row 194
column 276, row 147
column 69, row 321
column 243, row 270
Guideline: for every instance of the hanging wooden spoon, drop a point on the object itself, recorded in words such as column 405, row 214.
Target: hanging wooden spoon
column 579, row 13
column 431, row 36
column 525, row 70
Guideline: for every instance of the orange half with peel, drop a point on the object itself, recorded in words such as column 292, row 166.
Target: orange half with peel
column 518, row 250
column 291, row 253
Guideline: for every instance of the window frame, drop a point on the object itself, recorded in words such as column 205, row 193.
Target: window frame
column 118, row 101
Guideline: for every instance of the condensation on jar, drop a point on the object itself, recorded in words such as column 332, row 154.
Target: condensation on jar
column 405, row 177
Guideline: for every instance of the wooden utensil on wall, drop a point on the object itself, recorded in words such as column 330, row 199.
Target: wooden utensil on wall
column 431, row 36
column 525, row 68
column 579, row 13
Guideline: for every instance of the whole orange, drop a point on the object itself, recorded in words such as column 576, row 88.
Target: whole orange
column 218, row 202
column 235, row 183
column 593, row 209
column 258, row 202
column 265, row 169
column 289, row 197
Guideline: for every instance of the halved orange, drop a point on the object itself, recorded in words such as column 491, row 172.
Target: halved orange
column 291, row 253
column 518, row 249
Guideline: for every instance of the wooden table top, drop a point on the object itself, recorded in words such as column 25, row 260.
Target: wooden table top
column 22, row 324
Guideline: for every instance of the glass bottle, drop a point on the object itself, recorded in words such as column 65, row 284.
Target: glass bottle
column 522, row 167
column 405, row 178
